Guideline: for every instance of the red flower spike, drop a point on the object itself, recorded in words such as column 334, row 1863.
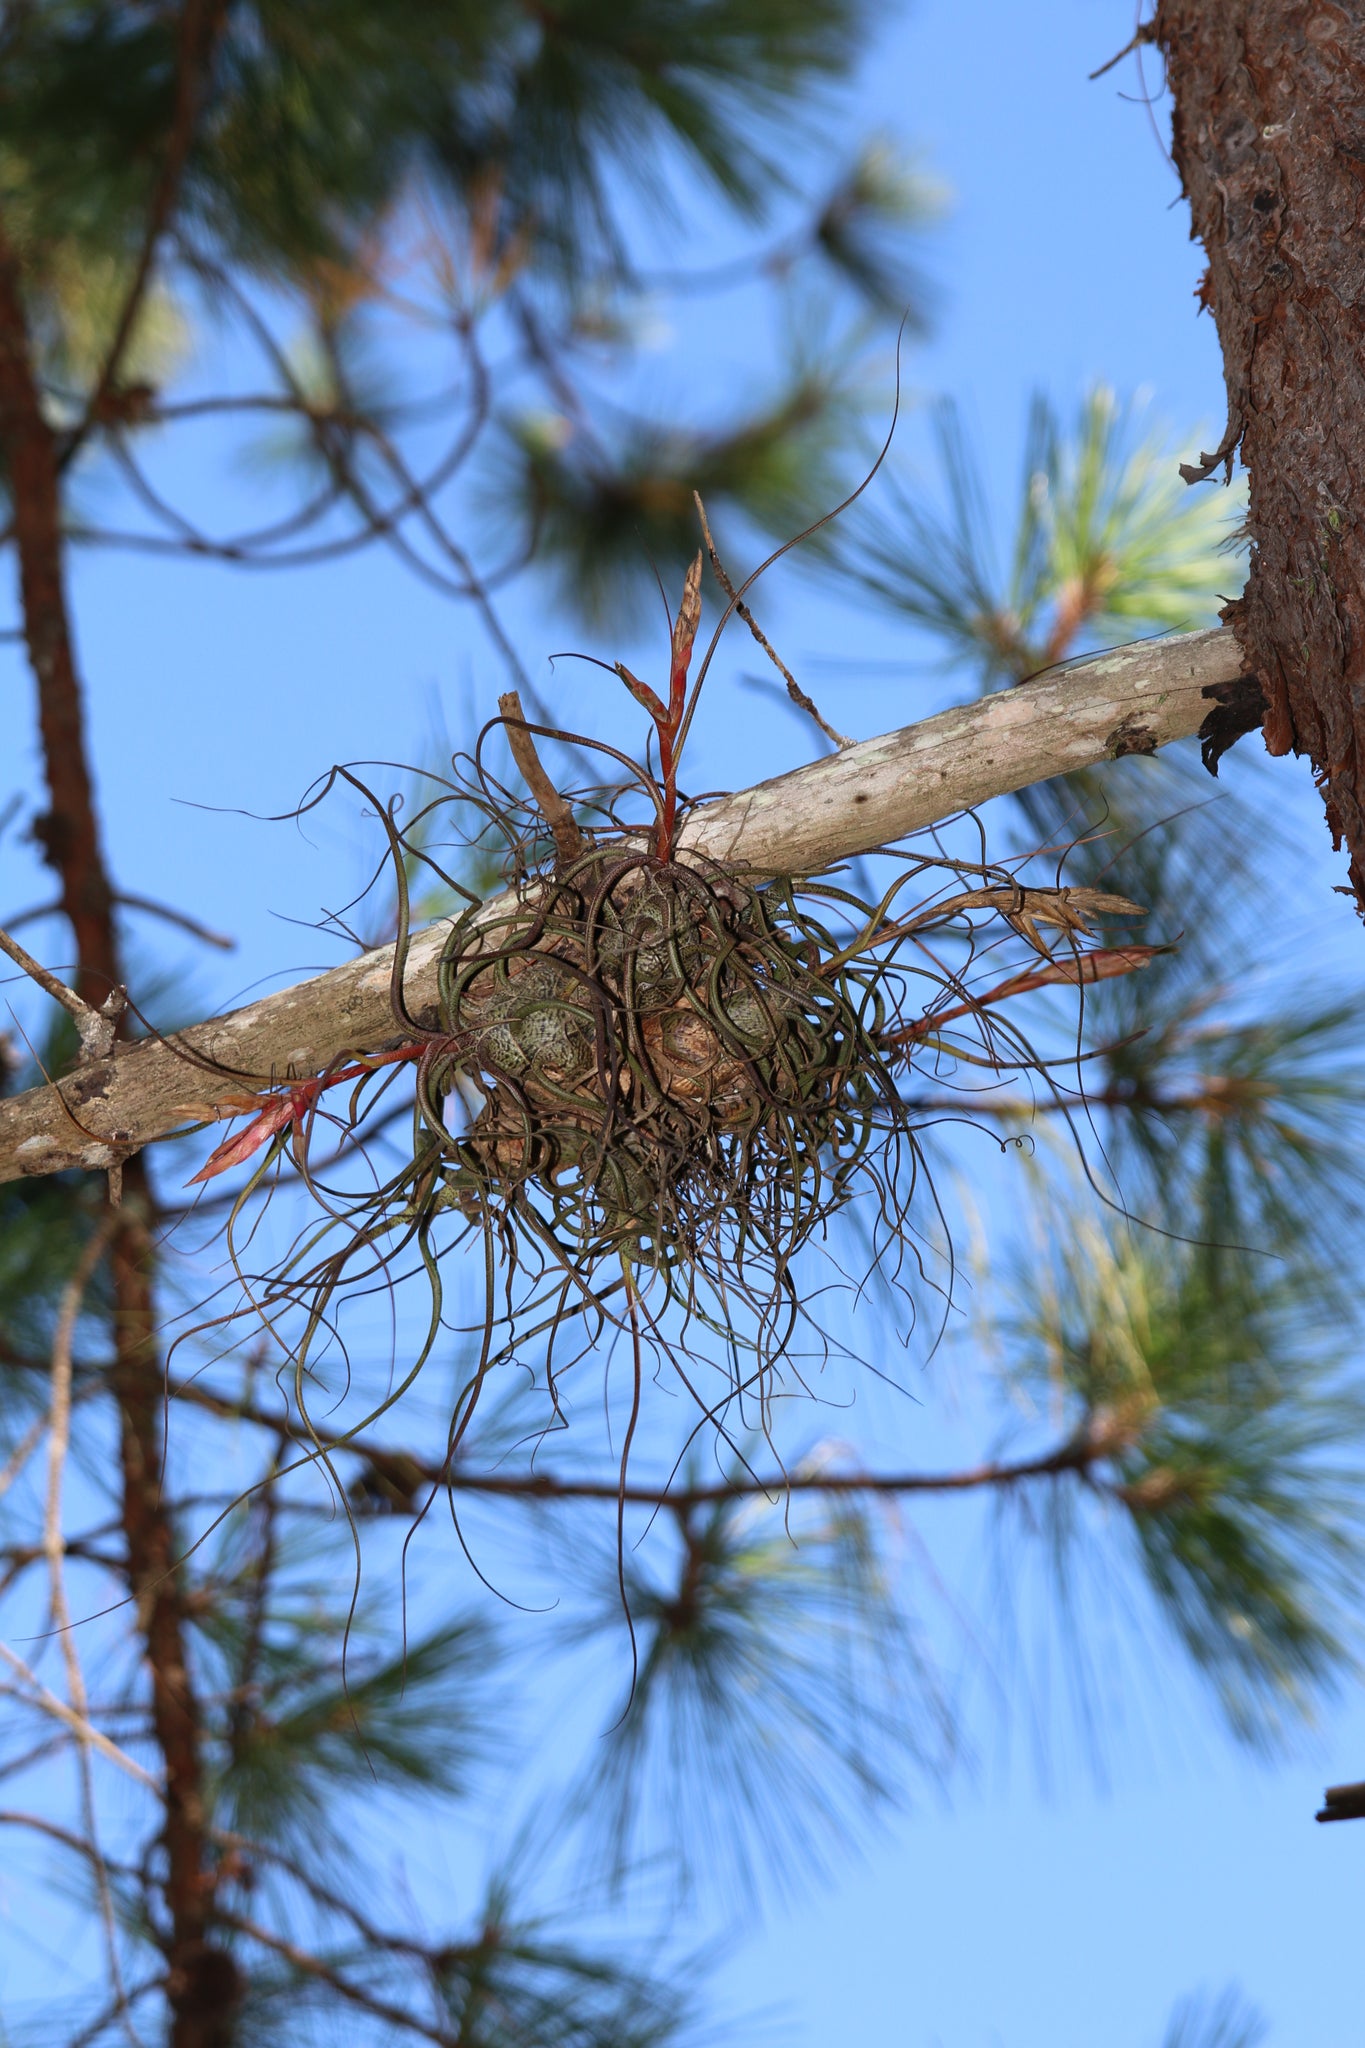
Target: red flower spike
column 278, row 1111
column 289, row 1105
column 668, row 719
column 684, row 638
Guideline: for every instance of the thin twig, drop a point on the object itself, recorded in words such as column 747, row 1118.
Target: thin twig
column 49, row 1703
column 59, row 1438
column 96, row 1027
column 22, row 1452
column 557, row 813
column 89, row 2035
column 200, row 24
column 1101, row 965
column 241, row 1716
column 313, row 1966
column 265, row 1852
column 1074, row 1455
column 794, row 690
column 12, row 1817
column 1145, row 33
column 189, row 924
column 15, row 1766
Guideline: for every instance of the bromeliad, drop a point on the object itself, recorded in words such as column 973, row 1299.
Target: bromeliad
column 669, row 718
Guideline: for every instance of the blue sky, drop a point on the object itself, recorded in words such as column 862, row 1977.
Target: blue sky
column 1014, row 1916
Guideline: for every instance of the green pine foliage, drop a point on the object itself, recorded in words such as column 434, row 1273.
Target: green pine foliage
column 521, row 1981
column 314, row 1727
column 1217, row 1411
column 44, row 1224
column 1108, row 545
column 318, row 116
column 1223, row 2022
column 865, row 226
column 778, row 1697
column 600, row 508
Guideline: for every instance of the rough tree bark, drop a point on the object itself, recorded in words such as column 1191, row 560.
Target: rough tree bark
column 1269, row 138
column 68, row 832
column 1130, row 701
column 200, row 1977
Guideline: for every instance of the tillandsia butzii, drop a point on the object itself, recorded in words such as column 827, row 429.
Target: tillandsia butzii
column 649, row 1083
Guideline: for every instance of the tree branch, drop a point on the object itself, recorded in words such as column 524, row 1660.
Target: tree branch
column 96, row 1028
column 1133, row 700
column 83, row 1730
column 196, row 37
column 404, row 1475
column 59, row 1437
column 11, row 1818
column 310, row 1965
column 72, row 846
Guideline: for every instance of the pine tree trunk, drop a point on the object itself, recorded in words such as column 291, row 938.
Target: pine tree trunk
column 69, row 832
column 1269, row 138
column 201, row 1980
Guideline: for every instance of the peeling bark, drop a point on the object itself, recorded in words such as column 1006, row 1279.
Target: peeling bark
column 1269, row 139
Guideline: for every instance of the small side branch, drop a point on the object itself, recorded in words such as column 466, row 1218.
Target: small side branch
column 794, row 690
column 1343, row 1802
column 85, row 1731
column 201, row 23
column 1145, row 33
column 22, row 1452
column 556, row 812
column 97, row 1028
column 309, row 1965
column 402, row 1475
column 59, row 1436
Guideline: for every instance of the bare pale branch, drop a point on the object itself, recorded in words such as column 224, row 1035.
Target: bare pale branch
column 1131, row 700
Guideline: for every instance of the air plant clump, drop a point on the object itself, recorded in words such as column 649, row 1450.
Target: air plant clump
column 671, row 1064
column 651, row 1082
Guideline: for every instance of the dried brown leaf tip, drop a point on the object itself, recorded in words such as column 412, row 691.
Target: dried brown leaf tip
column 1070, row 911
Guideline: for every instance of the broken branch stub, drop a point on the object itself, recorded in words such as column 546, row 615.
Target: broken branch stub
column 1132, row 700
